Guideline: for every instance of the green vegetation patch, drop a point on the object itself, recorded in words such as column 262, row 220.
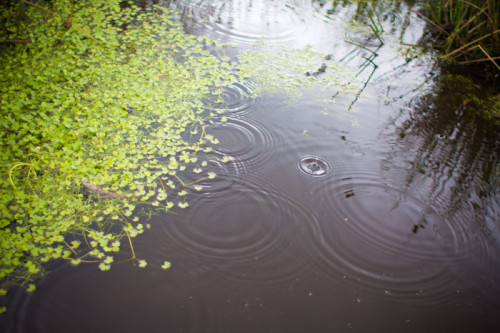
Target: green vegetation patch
column 276, row 69
column 95, row 100
column 467, row 31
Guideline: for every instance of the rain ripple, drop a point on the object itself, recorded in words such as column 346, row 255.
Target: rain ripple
column 235, row 99
column 241, row 22
column 386, row 241
column 246, row 141
column 248, row 235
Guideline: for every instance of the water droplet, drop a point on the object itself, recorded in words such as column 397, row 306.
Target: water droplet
column 314, row 166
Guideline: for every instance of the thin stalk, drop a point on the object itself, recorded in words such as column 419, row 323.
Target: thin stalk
column 131, row 246
column 471, row 4
column 19, row 13
column 428, row 20
column 85, row 238
column 187, row 185
column 375, row 67
column 477, row 27
column 478, row 60
column 376, row 28
column 469, row 44
column 456, row 16
column 488, row 56
column 69, row 247
column 494, row 17
column 470, row 20
column 180, row 180
column 362, row 47
column 16, row 166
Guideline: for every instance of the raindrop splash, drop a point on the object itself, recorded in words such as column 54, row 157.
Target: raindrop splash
column 314, row 166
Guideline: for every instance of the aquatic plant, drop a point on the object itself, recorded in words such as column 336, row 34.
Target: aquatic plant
column 95, row 100
column 275, row 69
column 467, row 32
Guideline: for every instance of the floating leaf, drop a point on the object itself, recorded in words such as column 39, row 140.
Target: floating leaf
column 75, row 244
column 76, row 261
column 108, row 260
column 104, row 267
column 183, row 205
column 94, row 132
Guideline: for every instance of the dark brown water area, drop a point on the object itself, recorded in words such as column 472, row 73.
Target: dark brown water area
column 377, row 212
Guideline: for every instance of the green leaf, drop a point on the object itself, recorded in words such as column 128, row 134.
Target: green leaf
column 166, row 265
column 92, row 129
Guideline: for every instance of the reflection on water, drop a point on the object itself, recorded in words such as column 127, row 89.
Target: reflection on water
column 380, row 219
column 241, row 22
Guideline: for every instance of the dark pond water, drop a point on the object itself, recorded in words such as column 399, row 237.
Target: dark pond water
column 376, row 213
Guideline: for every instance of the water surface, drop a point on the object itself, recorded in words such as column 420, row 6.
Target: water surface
column 376, row 213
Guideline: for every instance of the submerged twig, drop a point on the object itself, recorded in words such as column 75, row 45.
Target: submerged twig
column 102, row 192
column 16, row 41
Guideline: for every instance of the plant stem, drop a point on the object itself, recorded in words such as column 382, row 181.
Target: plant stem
column 469, row 44
column 131, row 246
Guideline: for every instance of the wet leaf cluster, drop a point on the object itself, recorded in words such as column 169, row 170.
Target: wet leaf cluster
column 93, row 119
